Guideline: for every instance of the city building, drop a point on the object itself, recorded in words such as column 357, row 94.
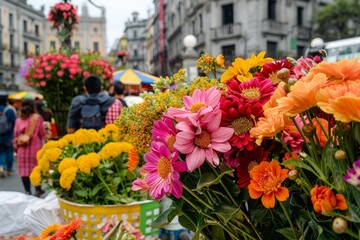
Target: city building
column 135, row 33
column 90, row 34
column 234, row 28
column 22, row 31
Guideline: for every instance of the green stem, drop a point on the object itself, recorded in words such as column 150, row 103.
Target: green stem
column 197, row 198
column 103, row 181
column 288, row 218
column 284, row 145
column 240, row 230
column 351, row 233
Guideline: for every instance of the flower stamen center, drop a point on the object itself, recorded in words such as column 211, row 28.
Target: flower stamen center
column 202, row 140
column 251, row 93
column 196, row 107
column 241, row 125
column 164, row 167
column 170, row 142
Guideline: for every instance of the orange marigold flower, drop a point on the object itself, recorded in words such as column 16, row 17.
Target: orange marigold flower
column 133, row 160
column 319, row 132
column 266, row 180
column 288, row 157
column 324, row 200
column 66, row 231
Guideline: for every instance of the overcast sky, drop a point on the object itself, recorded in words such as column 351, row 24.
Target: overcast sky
column 117, row 12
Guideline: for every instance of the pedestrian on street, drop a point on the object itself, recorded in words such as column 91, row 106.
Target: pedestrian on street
column 6, row 136
column 29, row 134
column 94, row 109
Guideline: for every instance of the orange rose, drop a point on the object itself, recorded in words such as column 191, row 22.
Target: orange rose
column 324, row 200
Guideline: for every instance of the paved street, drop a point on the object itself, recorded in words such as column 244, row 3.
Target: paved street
column 12, row 183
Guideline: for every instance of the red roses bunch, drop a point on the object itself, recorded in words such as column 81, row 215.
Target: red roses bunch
column 63, row 14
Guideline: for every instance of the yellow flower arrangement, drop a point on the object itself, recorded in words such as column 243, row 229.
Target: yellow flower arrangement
column 87, row 162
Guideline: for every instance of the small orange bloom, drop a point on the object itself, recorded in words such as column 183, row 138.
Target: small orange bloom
column 292, row 156
column 324, row 200
column 319, row 132
column 266, row 179
column 133, row 160
column 66, row 231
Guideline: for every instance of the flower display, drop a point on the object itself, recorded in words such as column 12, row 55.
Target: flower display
column 271, row 151
column 58, row 231
column 81, row 165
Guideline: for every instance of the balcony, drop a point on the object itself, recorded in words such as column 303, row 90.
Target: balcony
column 32, row 36
column 200, row 37
column 271, row 26
column 226, row 31
column 14, row 49
column 303, row 33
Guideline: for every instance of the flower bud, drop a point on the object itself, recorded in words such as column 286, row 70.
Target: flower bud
column 339, row 225
column 292, row 81
column 340, row 154
column 309, row 130
column 293, row 174
column 283, row 74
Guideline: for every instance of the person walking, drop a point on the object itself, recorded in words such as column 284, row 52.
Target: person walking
column 119, row 92
column 94, row 109
column 29, row 134
column 8, row 115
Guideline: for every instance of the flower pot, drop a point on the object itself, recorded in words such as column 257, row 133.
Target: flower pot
column 139, row 214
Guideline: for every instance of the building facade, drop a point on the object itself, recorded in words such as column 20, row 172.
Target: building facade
column 135, row 32
column 22, row 34
column 90, row 34
column 234, row 28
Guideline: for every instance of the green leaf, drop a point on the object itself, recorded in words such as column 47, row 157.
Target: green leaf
column 288, row 233
column 116, row 180
column 163, row 219
column 225, row 212
column 300, row 164
column 95, row 190
column 210, row 178
column 356, row 131
column 81, row 193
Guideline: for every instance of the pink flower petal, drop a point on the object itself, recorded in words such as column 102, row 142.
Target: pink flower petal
column 195, row 159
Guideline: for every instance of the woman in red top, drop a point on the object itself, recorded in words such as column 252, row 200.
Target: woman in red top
column 26, row 153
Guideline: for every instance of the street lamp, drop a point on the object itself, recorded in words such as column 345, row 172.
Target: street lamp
column 190, row 57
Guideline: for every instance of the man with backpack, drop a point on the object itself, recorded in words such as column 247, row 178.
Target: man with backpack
column 7, row 123
column 93, row 110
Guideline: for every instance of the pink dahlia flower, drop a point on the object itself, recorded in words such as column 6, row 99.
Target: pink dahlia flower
column 195, row 107
column 203, row 143
column 164, row 131
column 163, row 169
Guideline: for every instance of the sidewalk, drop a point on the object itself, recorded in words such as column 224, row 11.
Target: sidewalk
column 12, row 183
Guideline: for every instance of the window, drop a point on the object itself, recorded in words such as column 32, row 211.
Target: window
column 37, row 49
column 25, row 48
column 95, row 30
column 96, row 46
column 11, row 41
column 52, row 45
column 227, row 14
column 2, row 78
column 25, row 26
column 300, row 12
column 1, row 58
column 11, row 20
column 272, row 9
column 271, row 48
column 200, row 23
column 135, row 52
column 77, row 45
column 229, row 54
column 135, row 34
column 12, row 78
column 12, row 60
column 37, row 30
column 193, row 26
column 300, row 51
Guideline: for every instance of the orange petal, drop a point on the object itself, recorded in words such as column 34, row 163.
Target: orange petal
column 282, row 194
column 268, row 200
column 341, row 202
column 254, row 194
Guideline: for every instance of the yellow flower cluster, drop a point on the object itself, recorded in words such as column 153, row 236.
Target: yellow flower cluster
column 209, row 64
column 68, row 177
column 87, row 162
column 113, row 149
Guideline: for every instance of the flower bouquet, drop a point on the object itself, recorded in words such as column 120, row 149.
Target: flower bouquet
column 269, row 152
column 58, row 232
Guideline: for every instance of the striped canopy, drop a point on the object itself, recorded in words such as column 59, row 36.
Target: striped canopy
column 134, row 77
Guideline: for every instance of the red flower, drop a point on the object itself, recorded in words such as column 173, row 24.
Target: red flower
column 246, row 161
column 271, row 69
column 241, row 116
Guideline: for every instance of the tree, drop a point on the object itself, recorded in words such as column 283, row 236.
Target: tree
column 338, row 20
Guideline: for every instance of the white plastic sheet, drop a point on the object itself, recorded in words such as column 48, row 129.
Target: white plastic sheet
column 42, row 213
column 12, row 207
column 21, row 213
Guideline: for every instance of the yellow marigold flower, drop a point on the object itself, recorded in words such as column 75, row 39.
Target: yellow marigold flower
column 49, row 231
column 67, row 177
column 44, row 164
column 87, row 162
column 104, row 135
column 62, row 142
column 50, row 144
column 114, row 149
column 53, row 154
column 67, row 163
column 81, row 137
column 69, row 138
column 35, row 176
column 40, row 154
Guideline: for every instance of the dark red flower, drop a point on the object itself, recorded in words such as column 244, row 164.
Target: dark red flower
column 270, row 70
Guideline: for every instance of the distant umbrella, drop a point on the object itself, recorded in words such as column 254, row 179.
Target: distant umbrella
column 25, row 95
column 134, row 77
